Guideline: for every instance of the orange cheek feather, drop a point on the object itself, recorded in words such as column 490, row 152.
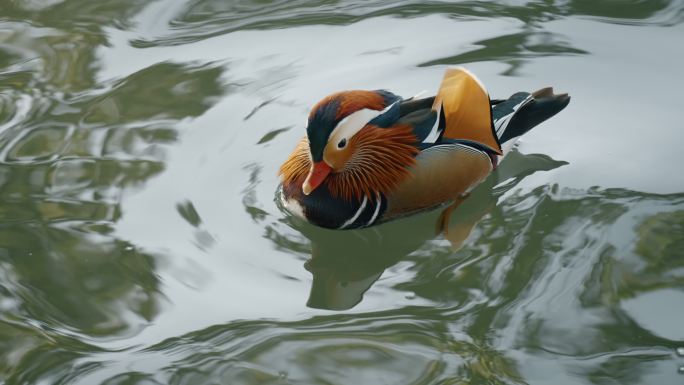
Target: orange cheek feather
column 337, row 158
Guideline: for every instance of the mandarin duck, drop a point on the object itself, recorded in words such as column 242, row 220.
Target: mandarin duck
column 345, row 264
column 371, row 156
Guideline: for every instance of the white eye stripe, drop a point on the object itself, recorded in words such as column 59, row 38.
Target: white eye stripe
column 354, row 122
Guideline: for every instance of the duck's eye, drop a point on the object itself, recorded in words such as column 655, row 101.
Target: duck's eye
column 342, row 143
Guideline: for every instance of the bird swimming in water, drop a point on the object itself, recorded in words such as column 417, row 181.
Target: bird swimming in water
column 371, row 156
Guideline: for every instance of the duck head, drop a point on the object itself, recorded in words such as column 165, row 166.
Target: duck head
column 349, row 141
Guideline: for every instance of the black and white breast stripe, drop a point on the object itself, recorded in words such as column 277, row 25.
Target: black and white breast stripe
column 368, row 213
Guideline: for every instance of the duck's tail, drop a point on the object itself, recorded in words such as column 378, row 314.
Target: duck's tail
column 523, row 110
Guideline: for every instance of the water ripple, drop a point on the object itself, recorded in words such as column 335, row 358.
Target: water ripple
column 140, row 241
column 201, row 19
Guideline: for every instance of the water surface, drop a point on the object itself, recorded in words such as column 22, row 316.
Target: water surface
column 140, row 242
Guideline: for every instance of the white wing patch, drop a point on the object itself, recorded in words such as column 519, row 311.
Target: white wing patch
column 501, row 123
column 434, row 131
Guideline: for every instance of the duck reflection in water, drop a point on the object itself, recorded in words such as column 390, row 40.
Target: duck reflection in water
column 345, row 264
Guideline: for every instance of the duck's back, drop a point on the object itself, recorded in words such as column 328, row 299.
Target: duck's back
column 461, row 133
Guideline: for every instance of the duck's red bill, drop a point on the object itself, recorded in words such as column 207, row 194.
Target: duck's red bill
column 316, row 176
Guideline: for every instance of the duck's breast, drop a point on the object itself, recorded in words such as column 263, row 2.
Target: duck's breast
column 321, row 208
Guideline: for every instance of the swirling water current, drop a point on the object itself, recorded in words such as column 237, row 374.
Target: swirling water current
column 140, row 241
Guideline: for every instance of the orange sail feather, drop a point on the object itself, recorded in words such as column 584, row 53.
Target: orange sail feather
column 467, row 110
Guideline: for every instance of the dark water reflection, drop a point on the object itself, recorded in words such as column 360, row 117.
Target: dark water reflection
column 140, row 242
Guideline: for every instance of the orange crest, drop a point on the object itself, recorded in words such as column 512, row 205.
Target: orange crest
column 351, row 101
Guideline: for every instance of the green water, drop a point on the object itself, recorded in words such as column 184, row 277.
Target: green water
column 140, row 242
